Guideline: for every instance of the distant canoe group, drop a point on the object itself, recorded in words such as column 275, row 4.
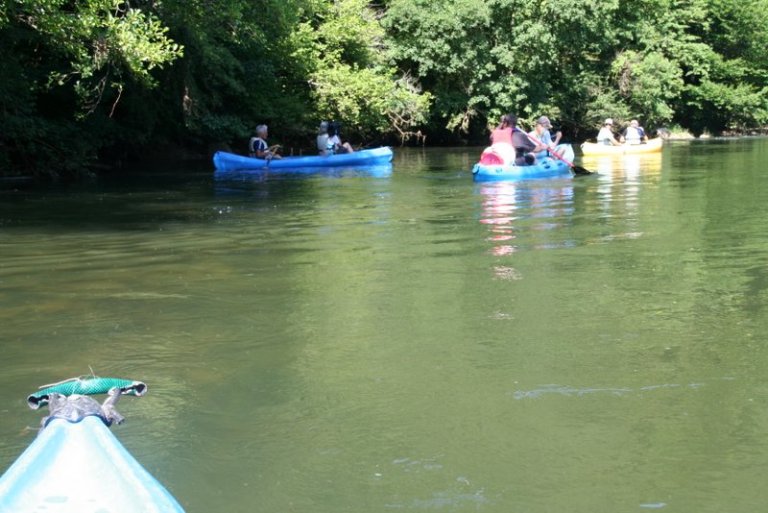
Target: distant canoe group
column 558, row 161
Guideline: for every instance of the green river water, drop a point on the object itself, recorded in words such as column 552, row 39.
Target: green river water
column 412, row 343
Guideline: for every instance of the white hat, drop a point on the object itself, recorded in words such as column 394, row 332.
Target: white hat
column 608, row 121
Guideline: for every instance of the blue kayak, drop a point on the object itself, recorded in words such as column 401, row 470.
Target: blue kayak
column 546, row 167
column 375, row 171
column 77, row 465
column 224, row 161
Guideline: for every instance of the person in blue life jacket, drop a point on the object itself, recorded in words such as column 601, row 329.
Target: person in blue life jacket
column 525, row 148
column 334, row 146
column 605, row 135
column 541, row 134
column 258, row 147
column 634, row 134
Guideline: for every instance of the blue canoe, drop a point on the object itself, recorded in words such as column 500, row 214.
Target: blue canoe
column 375, row 170
column 546, row 167
column 224, row 161
column 79, row 466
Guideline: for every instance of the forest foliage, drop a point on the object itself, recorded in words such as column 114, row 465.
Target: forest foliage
column 88, row 81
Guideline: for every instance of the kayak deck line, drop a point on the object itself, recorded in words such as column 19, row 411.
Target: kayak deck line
column 85, row 385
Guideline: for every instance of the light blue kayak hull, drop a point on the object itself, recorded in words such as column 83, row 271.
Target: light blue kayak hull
column 224, row 161
column 549, row 168
column 546, row 167
column 77, row 468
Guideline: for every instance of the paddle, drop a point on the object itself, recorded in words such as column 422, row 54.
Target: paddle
column 577, row 170
column 271, row 153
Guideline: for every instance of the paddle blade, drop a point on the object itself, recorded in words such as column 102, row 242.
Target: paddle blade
column 581, row 171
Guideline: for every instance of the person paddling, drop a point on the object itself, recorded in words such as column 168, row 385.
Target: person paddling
column 634, row 134
column 258, row 147
column 541, row 133
column 605, row 135
column 525, row 148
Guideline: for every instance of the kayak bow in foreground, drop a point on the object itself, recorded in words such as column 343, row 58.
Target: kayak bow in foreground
column 77, row 465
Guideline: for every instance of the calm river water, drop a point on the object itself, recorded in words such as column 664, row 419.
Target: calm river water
column 417, row 342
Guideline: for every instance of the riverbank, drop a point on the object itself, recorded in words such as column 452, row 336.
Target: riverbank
column 172, row 156
column 677, row 133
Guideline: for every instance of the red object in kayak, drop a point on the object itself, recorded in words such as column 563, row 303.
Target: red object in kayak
column 491, row 158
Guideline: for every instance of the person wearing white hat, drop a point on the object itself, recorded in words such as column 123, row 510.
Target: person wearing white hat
column 634, row 134
column 605, row 135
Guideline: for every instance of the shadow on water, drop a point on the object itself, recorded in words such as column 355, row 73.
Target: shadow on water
column 129, row 201
column 142, row 202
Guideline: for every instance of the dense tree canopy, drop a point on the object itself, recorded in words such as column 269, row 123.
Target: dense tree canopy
column 107, row 79
column 691, row 62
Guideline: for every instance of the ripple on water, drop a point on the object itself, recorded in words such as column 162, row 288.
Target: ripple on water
column 579, row 392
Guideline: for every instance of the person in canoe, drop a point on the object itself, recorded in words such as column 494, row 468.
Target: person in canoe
column 322, row 138
column 525, row 147
column 605, row 135
column 334, row 145
column 258, row 147
column 634, row 134
column 501, row 140
column 541, row 133
column 503, row 132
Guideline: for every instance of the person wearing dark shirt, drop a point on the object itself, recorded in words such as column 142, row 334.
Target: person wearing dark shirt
column 525, row 148
column 634, row 134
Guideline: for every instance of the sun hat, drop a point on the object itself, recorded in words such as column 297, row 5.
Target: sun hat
column 608, row 121
column 544, row 121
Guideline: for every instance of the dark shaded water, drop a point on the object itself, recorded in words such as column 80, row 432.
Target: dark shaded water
column 416, row 342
